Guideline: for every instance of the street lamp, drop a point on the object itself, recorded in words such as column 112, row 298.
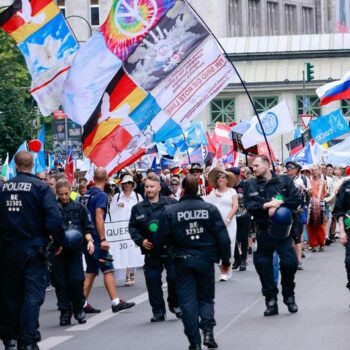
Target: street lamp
column 82, row 18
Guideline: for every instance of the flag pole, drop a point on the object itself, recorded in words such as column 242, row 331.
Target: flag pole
column 240, row 78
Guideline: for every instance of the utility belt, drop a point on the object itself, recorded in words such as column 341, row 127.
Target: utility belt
column 184, row 256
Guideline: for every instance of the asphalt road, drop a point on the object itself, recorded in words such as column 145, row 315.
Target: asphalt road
column 322, row 323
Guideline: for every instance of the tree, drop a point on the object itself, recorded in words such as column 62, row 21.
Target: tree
column 17, row 111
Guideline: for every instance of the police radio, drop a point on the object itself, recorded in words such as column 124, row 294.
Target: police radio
column 153, row 226
column 347, row 221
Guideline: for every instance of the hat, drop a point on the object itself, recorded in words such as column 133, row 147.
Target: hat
column 212, row 177
column 128, row 178
column 196, row 166
column 292, row 165
column 305, row 168
column 234, row 170
column 175, row 181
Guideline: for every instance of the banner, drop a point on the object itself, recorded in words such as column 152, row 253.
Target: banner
column 328, row 127
column 275, row 121
column 122, row 247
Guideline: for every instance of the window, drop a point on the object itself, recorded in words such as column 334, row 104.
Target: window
column 345, row 107
column 290, row 19
column 62, row 6
column 272, row 18
column 308, row 20
column 235, row 16
column 312, row 105
column 263, row 104
column 222, row 110
column 254, row 20
column 95, row 12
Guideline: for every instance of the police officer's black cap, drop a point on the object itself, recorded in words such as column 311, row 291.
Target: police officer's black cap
column 234, row 170
column 292, row 165
column 196, row 166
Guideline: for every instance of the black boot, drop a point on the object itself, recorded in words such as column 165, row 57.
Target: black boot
column 10, row 344
column 80, row 316
column 195, row 347
column 33, row 346
column 208, row 339
column 176, row 310
column 236, row 263
column 271, row 308
column 65, row 318
column 292, row 306
column 158, row 318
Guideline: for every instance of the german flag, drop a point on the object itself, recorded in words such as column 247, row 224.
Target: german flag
column 122, row 96
column 25, row 17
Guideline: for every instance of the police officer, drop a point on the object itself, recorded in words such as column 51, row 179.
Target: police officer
column 342, row 213
column 264, row 197
column 28, row 216
column 143, row 229
column 197, row 236
column 67, row 269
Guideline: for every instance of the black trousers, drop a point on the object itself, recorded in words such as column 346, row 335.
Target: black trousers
column 195, row 279
column 153, row 268
column 347, row 260
column 68, row 278
column 243, row 225
column 264, row 265
column 24, row 283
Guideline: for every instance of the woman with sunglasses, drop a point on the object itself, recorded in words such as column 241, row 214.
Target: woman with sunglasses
column 225, row 198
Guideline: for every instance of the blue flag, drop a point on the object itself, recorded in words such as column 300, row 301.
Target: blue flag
column 12, row 170
column 328, row 127
column 304, row 156
column 39, row 158
column 195, row 134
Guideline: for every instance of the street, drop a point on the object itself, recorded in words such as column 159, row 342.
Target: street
column 322, row 322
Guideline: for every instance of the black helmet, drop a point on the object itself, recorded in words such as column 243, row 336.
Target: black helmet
column 73, row 238
column 280, row 223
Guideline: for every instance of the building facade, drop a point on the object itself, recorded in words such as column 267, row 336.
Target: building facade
column 269, row 42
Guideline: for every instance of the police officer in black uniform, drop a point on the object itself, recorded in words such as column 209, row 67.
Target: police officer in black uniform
column 67, row 269
column 195, row 233
column 263, row 195
column 28, row 216
column 143, row 229
column 342, row 213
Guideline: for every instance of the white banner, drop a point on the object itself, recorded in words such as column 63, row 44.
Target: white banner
column 122, row 247
column 275, row 121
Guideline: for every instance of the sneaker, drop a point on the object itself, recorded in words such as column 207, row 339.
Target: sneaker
column 243, row 266
column 177, row 311
column 314, row 250
column 88, row 309
column 300, row 266
column 321, row 249
column 223, row 277
column 128, row 282
column 328, row 242
column 123, row 305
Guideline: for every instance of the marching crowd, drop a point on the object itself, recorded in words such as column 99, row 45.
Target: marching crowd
column 185, row 221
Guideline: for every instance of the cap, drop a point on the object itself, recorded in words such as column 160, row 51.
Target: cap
column 234, row 170
column 196, row 166
column 175, row 181
column 127, row 178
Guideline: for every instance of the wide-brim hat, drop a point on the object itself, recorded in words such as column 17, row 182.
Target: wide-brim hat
column 128, row 178
column 214, row 173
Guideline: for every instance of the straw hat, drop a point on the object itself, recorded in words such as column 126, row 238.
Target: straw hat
column 212, row 177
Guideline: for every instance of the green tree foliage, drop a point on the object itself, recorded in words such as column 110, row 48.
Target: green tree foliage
column 17, row 111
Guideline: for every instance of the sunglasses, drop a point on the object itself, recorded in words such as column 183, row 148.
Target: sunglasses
column 42, row 178
column 196, row 171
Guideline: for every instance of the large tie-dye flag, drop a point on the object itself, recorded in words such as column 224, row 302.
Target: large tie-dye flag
column 47, row 44
column 170, row 76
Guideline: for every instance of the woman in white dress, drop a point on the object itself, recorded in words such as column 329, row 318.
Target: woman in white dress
column 225, row 198
column 127, row 198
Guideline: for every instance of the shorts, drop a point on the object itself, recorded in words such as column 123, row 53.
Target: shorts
column 93, row 262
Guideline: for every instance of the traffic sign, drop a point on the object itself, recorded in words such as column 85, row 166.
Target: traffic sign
column 306, row 119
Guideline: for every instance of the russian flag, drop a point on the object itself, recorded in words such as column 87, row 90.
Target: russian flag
column 336, row 90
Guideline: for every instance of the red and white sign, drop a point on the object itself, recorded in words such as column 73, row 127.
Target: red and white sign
column 306, row 119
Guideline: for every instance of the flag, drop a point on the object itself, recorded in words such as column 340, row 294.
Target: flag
column 297, row 133
column 5, row 171
column 195, row 135
column 51, row 161
column 103, row 55
column 304, row 156
column 334, row 91
column 263, row 150
column 328, row 127
column 295, row 145
column 222, row 134
column 39, row 157
column 47, row 44
column 69, row 168
column 275, row 121
column 12, row 167
column 242, row 127
column 196, row 156
column 166, row 163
